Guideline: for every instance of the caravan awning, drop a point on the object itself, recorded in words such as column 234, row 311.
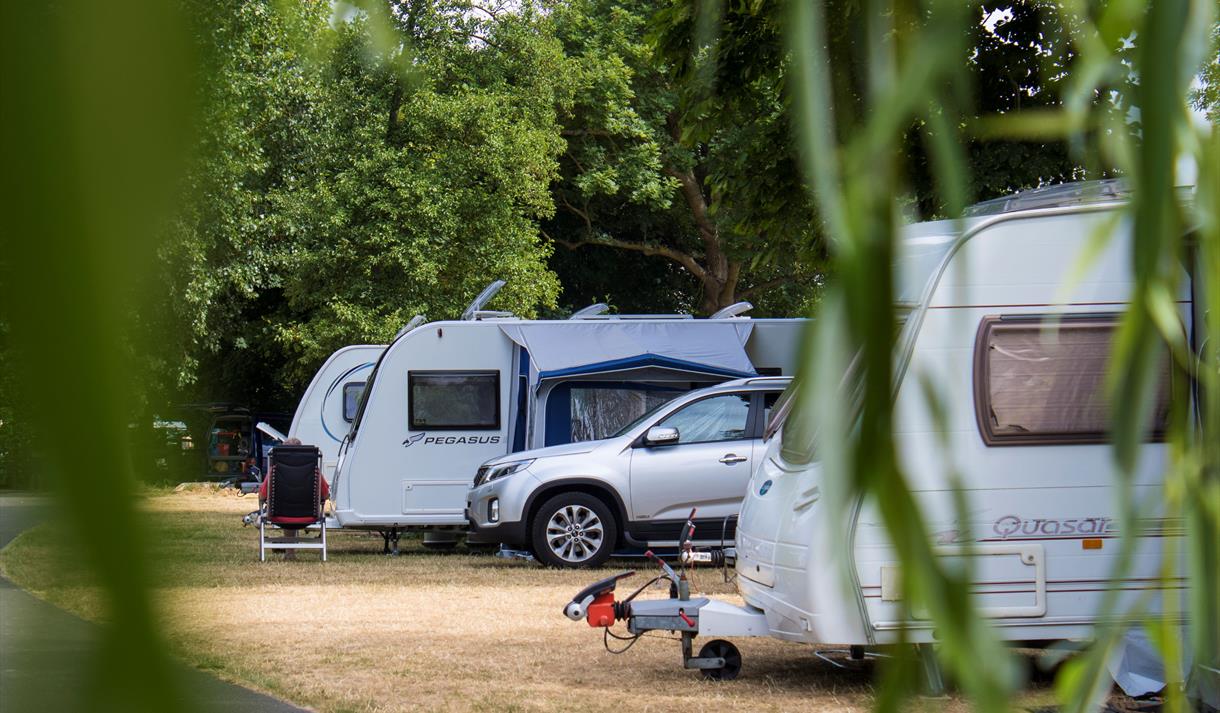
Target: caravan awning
column 578, row 348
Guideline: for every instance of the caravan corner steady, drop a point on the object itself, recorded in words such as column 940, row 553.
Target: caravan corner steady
column 1016, row 346
column 447, row 396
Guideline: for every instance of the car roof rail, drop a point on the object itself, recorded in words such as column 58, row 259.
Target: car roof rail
column 767, row 379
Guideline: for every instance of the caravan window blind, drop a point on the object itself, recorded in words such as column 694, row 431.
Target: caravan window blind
column 454, row 400
column 1034, row 385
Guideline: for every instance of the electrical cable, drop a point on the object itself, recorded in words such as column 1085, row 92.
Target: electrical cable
column 724, row 561
column 630, row 639
column 613, row 635
column 644, row 586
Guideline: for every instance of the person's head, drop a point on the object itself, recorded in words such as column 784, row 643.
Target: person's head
column 294, row 441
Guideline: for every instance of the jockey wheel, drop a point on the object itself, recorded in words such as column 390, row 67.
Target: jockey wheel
column 719, row 648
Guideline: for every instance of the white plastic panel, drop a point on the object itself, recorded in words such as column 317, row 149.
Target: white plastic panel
column 434, row 497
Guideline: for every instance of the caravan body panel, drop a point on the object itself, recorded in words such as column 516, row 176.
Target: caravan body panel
column 1041, row 521
column 448, row 396
column 325, row 411
column 401, row 471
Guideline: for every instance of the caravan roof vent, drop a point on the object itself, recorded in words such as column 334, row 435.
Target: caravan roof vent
column 492, row 314
column 1065, row 194
column 415, row 322
column 734, row 310
column 591, row 311
column 483, row 298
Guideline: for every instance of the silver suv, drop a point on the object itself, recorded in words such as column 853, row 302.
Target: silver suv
column 575, row 504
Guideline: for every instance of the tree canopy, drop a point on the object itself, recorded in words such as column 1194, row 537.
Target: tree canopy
column 356, row 165
column 343, row 186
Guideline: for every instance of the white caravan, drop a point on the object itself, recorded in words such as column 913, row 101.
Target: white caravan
column 328, row 407
column 998, row 321
column 447, row 396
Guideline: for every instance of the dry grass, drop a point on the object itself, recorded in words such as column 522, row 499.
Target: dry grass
column 422, row 631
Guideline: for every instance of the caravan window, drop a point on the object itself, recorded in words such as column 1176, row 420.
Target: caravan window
column 351, row 399
column 454, row 400
column 1034, row 385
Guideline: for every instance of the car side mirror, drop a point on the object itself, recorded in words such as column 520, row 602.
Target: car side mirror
column 661, row 436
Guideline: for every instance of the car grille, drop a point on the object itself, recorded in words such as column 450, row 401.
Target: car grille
column 481, row 476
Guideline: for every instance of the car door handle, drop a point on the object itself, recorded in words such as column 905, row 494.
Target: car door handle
column 731, row 458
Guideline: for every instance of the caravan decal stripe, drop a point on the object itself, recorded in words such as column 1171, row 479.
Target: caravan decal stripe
column 333, row 384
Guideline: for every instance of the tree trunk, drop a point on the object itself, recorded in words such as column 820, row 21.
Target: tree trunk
column 719, row 290
column 720, row 275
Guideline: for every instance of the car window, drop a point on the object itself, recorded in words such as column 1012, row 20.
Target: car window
column 228, row 438
column 769, row 400
column 718, row 418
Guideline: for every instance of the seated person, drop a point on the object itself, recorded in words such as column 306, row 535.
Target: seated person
column 285, row 522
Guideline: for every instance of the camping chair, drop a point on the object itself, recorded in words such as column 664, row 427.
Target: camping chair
column 293, row 500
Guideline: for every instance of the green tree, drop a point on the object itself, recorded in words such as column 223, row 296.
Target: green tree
column 646, row 171
column 1207, row 97
column 679, row 138
column 429, row 187
column 350, row 175
column 16, row 434
column 222, row 261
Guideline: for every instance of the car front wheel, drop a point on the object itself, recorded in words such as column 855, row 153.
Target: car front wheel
column 573, row 530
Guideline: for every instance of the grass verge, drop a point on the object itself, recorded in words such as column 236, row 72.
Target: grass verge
column 423, row 631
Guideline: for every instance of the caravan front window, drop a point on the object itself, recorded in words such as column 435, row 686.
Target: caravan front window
column 454, row 400
column 351, row 399
column 1038, row 383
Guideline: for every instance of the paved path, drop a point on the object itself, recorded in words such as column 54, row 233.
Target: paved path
column 44, row 651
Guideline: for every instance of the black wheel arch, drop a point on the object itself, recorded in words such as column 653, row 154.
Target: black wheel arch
column 590, row 486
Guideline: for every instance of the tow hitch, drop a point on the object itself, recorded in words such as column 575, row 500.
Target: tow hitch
column 718, row 660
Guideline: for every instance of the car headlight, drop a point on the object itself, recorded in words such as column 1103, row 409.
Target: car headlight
column 489, row 473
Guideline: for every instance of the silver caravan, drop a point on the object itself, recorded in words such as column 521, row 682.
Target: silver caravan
column 447, row 396
column 1003, row 323
column 328, row 407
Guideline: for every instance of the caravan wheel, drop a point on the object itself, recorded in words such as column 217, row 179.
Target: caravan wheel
column 573, row 530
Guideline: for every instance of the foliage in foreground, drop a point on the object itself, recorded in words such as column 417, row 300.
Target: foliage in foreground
column 1129, row 57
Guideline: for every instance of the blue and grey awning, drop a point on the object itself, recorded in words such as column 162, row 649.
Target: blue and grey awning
column 569, row 350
